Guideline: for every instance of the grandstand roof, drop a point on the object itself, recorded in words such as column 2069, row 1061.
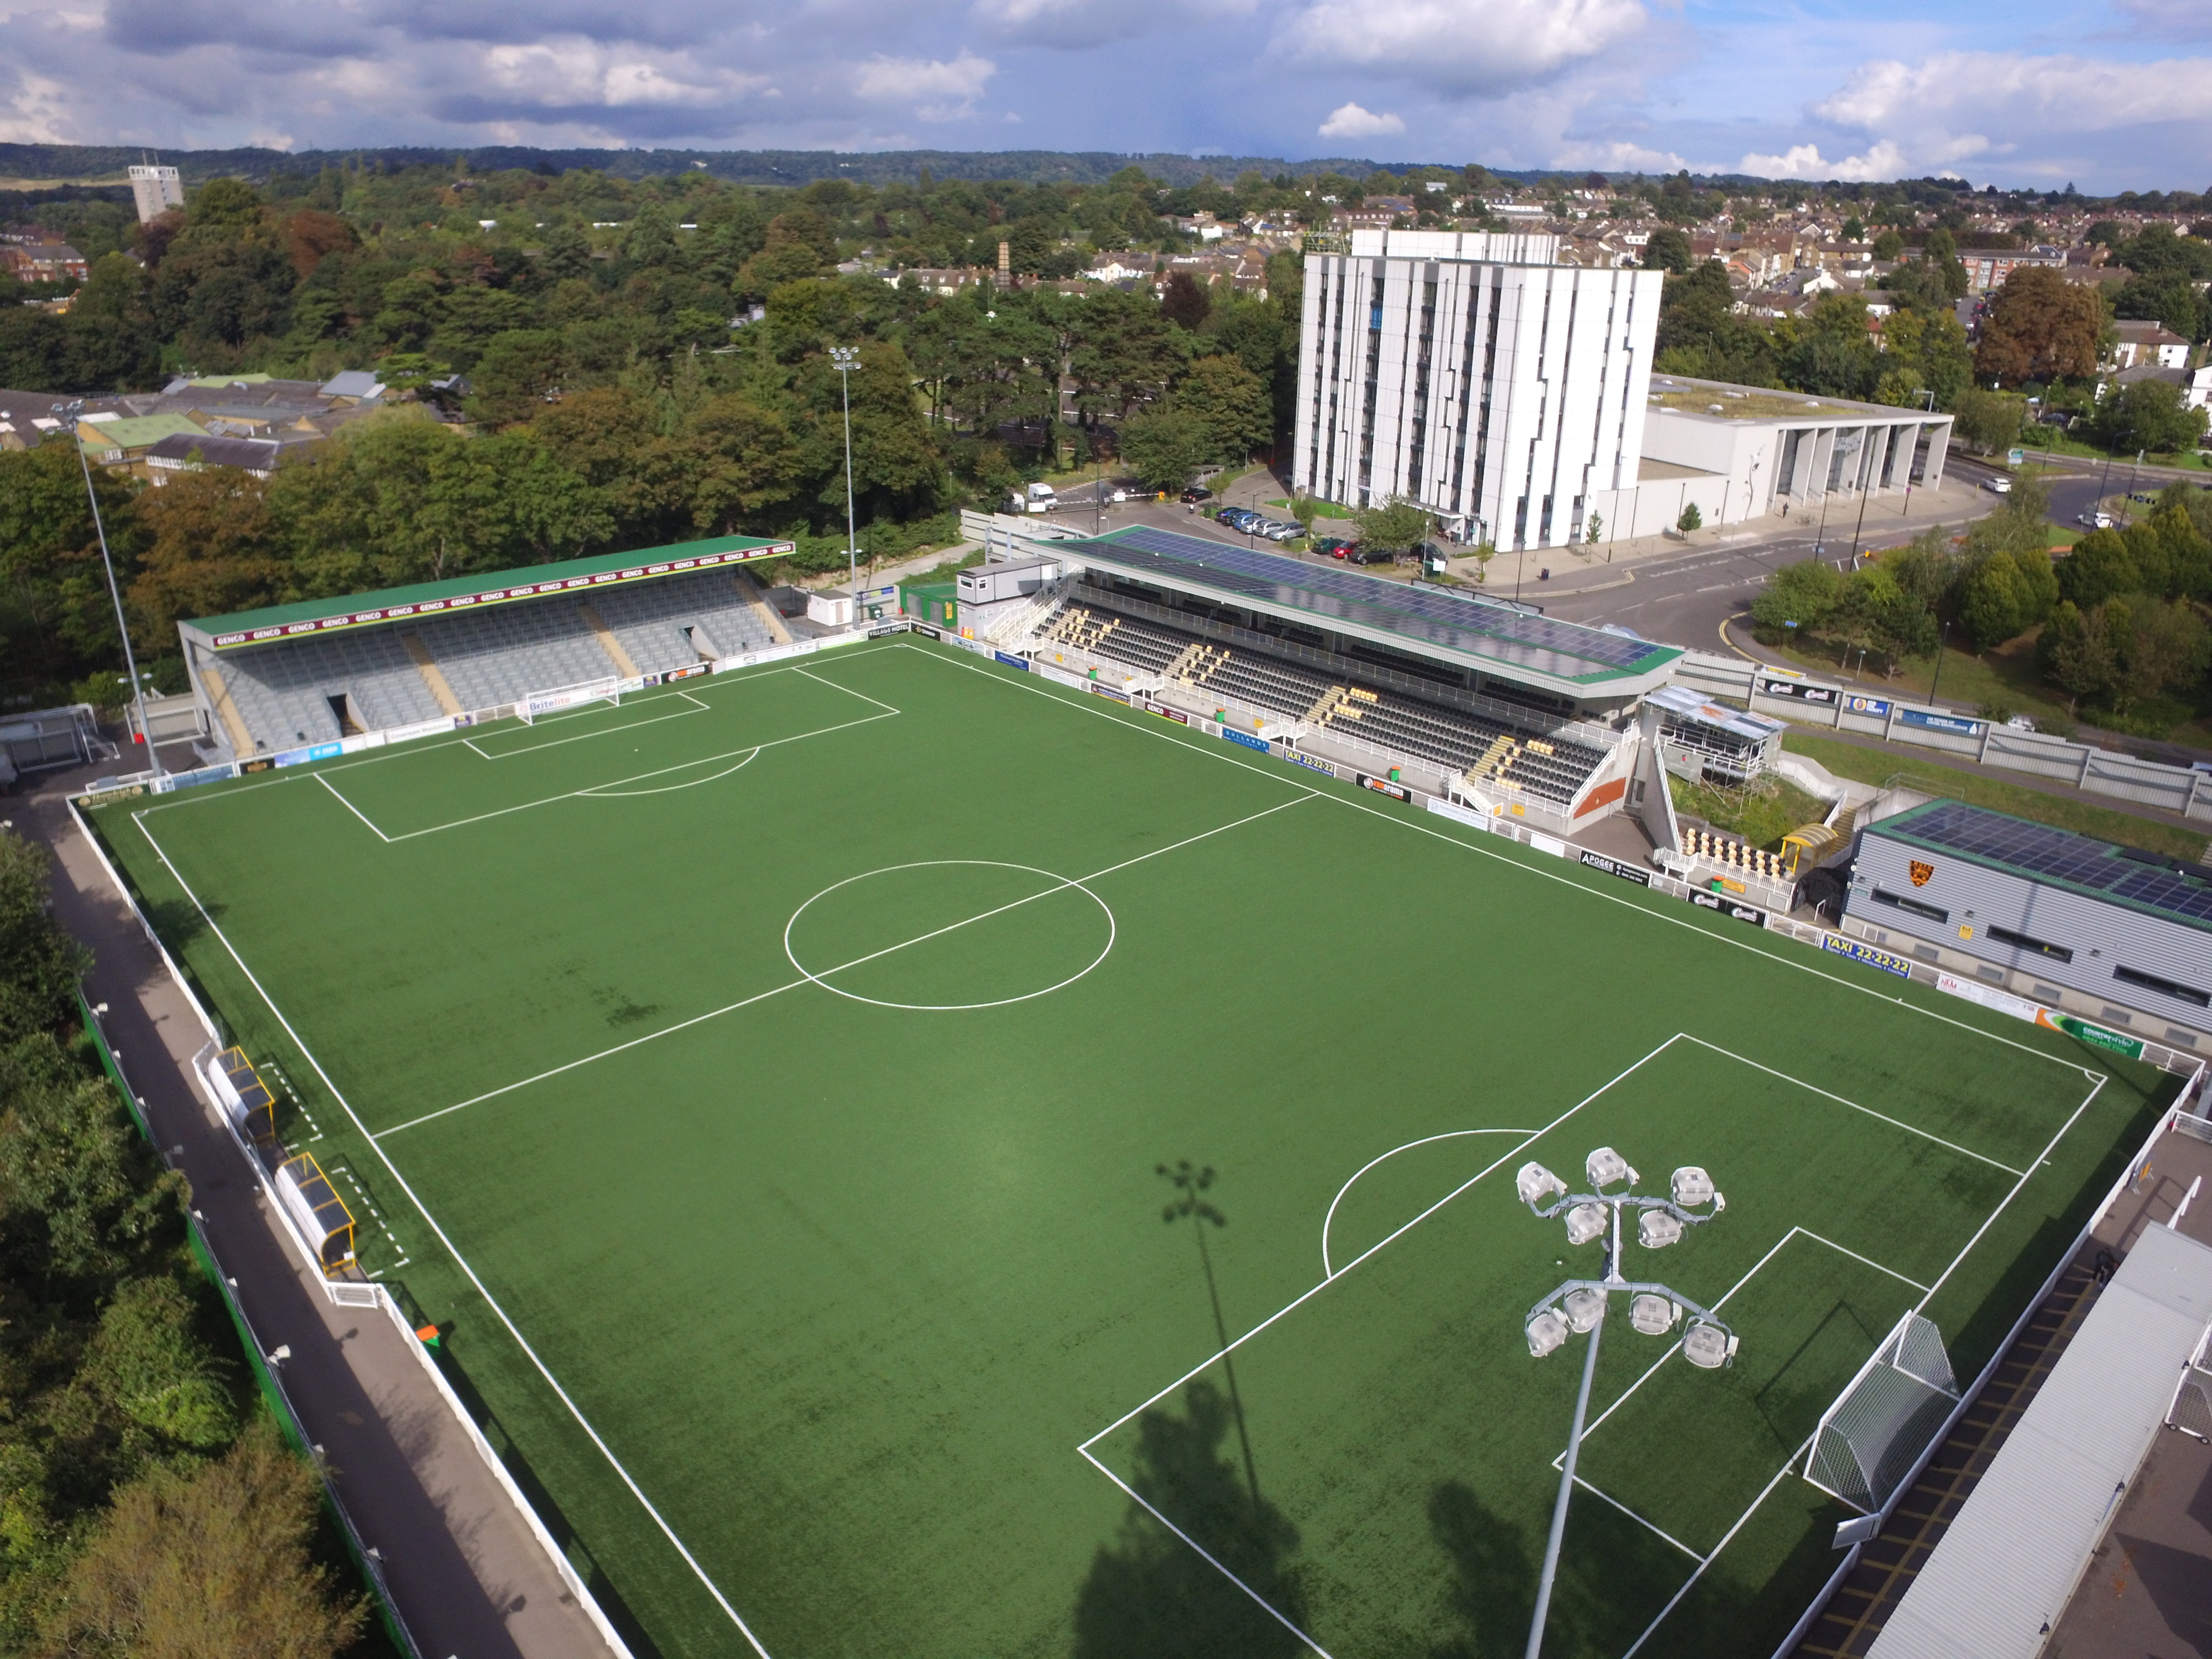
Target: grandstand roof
column 281, row 622
column 2148, row 882
column 1476, row 632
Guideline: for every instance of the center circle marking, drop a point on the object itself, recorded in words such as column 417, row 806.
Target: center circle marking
column 1064, row 883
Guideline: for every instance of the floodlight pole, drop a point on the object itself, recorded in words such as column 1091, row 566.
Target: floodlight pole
column 114, row 592
column 846, row 358
column 1566, row 1484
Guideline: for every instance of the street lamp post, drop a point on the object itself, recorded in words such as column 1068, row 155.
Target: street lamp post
column 1942, row 640
column 114, row 591
column 1578, row 1307
column 846, row 359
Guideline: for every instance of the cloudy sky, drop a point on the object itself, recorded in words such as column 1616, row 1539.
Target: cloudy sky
column 2110, row 94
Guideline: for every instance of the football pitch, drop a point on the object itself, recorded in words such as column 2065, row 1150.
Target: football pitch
column 768, row 1083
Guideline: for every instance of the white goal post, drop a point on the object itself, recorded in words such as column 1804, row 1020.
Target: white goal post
column 527, row 710
column 1874, row 1434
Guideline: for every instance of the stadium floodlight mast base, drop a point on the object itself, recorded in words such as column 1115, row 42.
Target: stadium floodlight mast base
column 1579, row 1306
column 846, row 359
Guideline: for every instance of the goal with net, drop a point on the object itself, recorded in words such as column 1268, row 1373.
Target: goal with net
column 1869, row 1440
column 532, row 709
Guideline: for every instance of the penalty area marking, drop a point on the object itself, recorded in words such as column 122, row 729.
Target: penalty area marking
column 696, row 708
column 1061, row 884
column 1449, row 1134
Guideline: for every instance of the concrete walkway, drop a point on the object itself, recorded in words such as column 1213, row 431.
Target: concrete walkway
column 468, row 1578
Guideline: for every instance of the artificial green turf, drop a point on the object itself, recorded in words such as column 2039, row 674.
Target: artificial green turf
column 844, row 1283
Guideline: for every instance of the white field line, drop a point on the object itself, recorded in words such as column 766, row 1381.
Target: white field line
column 1160, row 729
column 1894, row 1123
column 696, row 708
column 1063, row 884
column 821, row 680
column 607, row 792
column 462, row 1261
column 1323, row 1284
column 1794, row 1232
column 1449, row 1135
column 612, row 783
column 2050, row 1147
column 1265, row 1606
column 1600, row 1491
column 1767, row 1493
column 352, row 808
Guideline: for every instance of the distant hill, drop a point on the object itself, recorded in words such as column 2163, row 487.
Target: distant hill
column 89, row 164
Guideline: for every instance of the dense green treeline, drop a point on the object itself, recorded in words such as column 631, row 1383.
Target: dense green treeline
column 147, row 1503
column 663, row 379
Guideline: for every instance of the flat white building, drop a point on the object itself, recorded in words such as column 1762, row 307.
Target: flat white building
column 1471, row 373
column 155, row 190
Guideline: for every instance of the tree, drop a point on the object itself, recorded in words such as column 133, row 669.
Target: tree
column 212, row 549
column 1231, row 403
column 2150, row 415
column 1690, row 519
column 1394, row 526
column 1185, row 301
column 2099, row 568
column 1882, row 613
column 1164, row 447
column 2076, row 651
column 2165, row 649
column 206, row 1561
column 1888, row 246
column 1804, row 595
column 1992, row 602
column 520, row 372
column 39, row 962
column 2040, row 325
column 1924, row 351
column 1668, row 250
column 1989, row 421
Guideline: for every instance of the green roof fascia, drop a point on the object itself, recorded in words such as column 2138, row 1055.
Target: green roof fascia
column 460, row 592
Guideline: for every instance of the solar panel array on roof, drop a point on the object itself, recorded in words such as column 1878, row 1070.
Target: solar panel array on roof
column 2036, row 850
column 1472, row 625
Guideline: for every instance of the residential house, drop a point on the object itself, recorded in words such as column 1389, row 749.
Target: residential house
column 43, row 262
column 2149, row 344
column 182, row 453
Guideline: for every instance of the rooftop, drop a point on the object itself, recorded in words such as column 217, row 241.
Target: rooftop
column 2148, row 882
column 1474, row 632
column 1717, row 400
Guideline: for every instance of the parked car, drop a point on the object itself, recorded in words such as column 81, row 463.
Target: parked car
column 1280, row 532
column 1195, row 494
column 2019, row 722
column 1236, row 517
column 1335, row 547
column 1372, row 556
column 2095, row 520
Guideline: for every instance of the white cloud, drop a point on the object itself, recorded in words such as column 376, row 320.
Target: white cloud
column 1618, row 156
column 1882, row 161
column 1074, row 25
column 577, row 73
column 1460, row 48
column 937, row 90
column 1350, row 121
column 1960, row 94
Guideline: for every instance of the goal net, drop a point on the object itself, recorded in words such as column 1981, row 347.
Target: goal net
column 2191, row 1410
column 1870, row 1438
column 538, row 704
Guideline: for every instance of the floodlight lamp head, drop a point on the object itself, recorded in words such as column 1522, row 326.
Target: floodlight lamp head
column 1547, row 1331
column 1709, row 1345
column 1653, row 1315
column 1691, row 1186
column 1586, row 1222
column 1607, row 1168
column 1584, row 1309
column 1536, row 1183
column 1656, row 1230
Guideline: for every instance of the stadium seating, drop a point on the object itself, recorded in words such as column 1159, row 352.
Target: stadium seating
column 488, row 658
column 1486, row 751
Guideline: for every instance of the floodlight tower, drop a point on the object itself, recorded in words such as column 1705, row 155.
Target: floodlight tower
column 845, row 360
column 1578, row 1307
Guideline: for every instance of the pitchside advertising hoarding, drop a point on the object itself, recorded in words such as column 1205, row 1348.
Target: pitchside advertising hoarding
column 2096, row 1036
column 1797, row 691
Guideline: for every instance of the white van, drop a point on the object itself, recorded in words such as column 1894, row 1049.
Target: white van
column 1042, row 499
